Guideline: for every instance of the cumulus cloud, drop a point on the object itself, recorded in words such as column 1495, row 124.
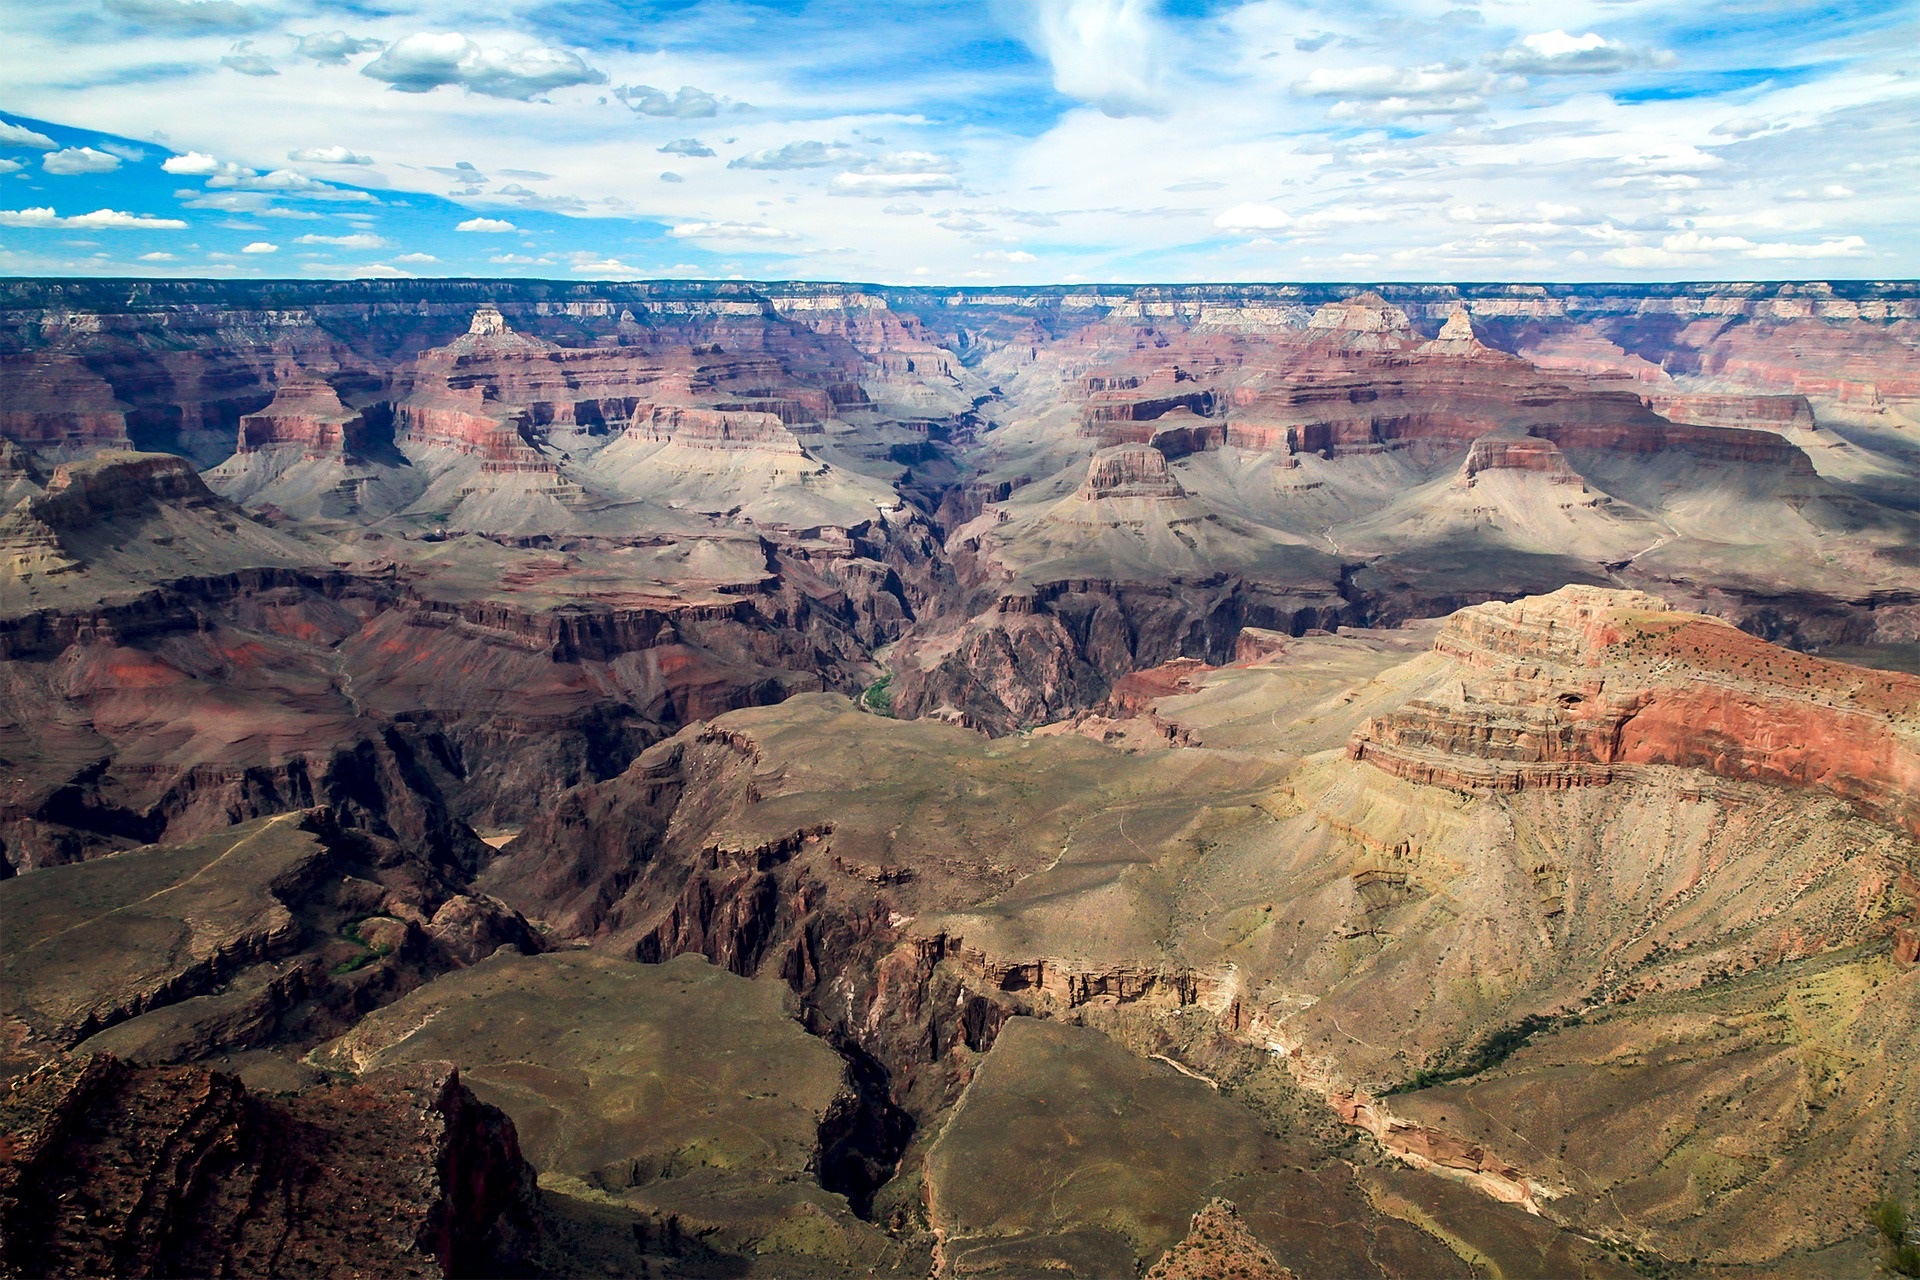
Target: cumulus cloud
column 1397, row 92
column 357, row 240
column 284, row 182
column 197, row 164
column 414, row 259
column 156, row 257
column 1103, row 52
column 1555, row 53
column 261, row 246
column 688, row 103
column 98, row 220
column 187, row 15
column 79, row 160
column 333, row 48
column 1257, row 218
column 901, row 173
column 1691, row 248
column 729, row 231
column 247, row 62
column 1006, row 255
column 488, row 226
column 606, row 269
column 428, row 60
column 11, row 166
column 14, row 135
column 691, row 147
column 795, row 155
column 328, row 155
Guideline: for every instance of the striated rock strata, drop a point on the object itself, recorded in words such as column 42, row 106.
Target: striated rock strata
column 1580, row 687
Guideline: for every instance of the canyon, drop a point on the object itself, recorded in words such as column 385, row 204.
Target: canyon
column 729, row 778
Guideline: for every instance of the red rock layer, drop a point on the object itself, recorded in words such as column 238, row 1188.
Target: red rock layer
column 1574, row 688
column 1518, row 453
column 305, row 415
column 1760, row 412
column 52, row 401
column 713, row 429
column 1130, row 471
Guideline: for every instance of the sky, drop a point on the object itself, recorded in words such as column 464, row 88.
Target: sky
column 989, row 142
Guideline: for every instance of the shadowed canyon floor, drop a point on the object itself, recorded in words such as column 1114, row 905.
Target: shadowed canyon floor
column 732, row 779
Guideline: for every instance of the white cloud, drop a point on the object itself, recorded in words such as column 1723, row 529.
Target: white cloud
column 332, row 48
column 794, row 155
column 894, row 184
column 1842, row 247
column 512, row 259
column 693, row 148
column 1105, row 53
column 261, row 246
column 688, row 103
column 1555, row 53
column 244, row 59
column 490, row 226
column 1390, row 93
column 98, row 220
column 605, row 268
column 416, row 258
column 15, row 135
column 79, row 160
column 1006, row 255
column 10, row 166
column 156, row 257
column 1253, row 217
column 729, row 231
column 187, row 15
column 285, row 182
column 197, row 164
column 428, row 60
column 358, row 240
column 328, row 155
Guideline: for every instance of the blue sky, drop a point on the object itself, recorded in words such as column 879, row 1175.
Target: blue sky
column 961, row 141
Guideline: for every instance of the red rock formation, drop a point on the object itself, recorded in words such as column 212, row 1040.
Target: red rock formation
column 1518, row 453
column 713, row 428
column 1575, row 688
column 306, row 415
column 52, row 402
column 1756, row 412
column 1129, row 471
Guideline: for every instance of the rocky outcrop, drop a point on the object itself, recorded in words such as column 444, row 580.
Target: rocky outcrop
column 713, row 428
column 107, row 1168
column 1364, row 322
column 1130, row 471
column 305, row 416
column 1218, row 1245
column 52, row 403
column 1518, row 453
column 1580, row 687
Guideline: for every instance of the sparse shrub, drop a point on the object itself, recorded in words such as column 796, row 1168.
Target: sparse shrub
column 1900, row 1255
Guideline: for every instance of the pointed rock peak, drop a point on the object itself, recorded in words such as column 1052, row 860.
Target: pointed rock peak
column 1456, row 337
column 1365, row 321
column 488, row 322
